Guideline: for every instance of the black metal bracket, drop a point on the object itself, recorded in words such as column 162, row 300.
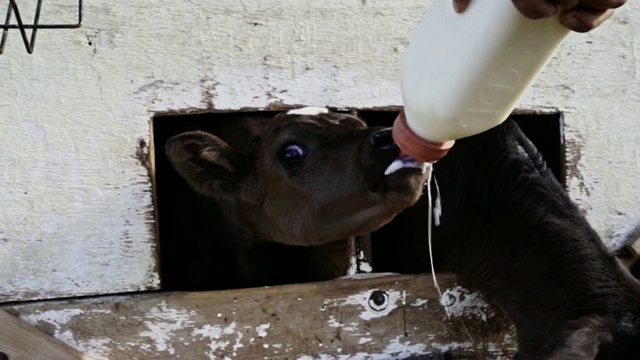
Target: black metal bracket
column 30, row 44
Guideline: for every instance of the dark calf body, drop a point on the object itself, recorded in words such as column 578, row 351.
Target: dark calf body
column 507, row 226
column 510, row 230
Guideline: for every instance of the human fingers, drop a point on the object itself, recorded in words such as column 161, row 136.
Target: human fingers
column 583, row 19
column 461, row 5
column 535, row 9
column 600, row 4
column 566, row 4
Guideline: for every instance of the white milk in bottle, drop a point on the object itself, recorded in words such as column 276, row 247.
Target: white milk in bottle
column 462, row 74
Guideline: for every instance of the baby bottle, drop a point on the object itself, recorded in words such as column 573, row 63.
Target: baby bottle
column 462, row 74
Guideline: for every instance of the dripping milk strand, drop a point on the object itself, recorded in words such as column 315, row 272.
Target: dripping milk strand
column 434, row 211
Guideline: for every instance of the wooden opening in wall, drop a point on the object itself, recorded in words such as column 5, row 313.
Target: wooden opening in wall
column 195, row 247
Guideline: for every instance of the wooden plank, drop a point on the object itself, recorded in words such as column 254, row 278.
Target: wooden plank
column 19, row 340
column 378, row 317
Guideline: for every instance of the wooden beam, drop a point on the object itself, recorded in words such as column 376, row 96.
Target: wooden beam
column 19, row 340
column 382, row 317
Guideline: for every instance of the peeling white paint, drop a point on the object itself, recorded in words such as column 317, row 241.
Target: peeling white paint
column 219, row 337
column 238, row 344
column 395, row 349
column 449, row 346
column 399, row 348
column 262, row 329
column 59, row 317
column 627, row 231
column 351, row 327
column 164, row 329
column 161, row 323
column 363, row 265
column 98, row 347
column 419, row 302
column 461, row 302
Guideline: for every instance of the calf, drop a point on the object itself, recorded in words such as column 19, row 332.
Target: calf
column 304, row 178
column 311, row 178
column 511, row 231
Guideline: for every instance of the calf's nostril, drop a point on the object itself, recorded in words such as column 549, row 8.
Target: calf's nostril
column 383, row 140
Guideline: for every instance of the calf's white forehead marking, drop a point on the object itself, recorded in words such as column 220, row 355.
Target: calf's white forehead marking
column 309, row 110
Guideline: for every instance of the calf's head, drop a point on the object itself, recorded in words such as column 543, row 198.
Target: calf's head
column 305, row 177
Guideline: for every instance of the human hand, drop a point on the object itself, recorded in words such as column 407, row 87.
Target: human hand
column 577, row 15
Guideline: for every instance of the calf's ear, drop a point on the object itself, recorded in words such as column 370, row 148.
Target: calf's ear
column 208, row 164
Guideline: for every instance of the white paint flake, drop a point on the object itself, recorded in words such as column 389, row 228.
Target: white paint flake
column 219, row 337
column 161, row 323
column 262, row 329
column 449, row 346
column 238, row 344
column 100, row 348
column 395, row 349
column 55, row 317
column 399, row 349
column 309, row 110
column 419, row 302
column 461, row 302
column 351, row 327
column 363, row 265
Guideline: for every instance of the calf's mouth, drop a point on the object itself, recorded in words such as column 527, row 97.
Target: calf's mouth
column 405, row 162
column 389, row 160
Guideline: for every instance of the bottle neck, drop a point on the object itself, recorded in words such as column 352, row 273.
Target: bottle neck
column 415, row 146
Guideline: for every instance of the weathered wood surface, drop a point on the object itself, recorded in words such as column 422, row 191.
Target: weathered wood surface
column 21, row 341
column 328, row 320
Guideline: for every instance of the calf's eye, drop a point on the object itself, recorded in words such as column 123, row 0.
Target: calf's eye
column 291, row 155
